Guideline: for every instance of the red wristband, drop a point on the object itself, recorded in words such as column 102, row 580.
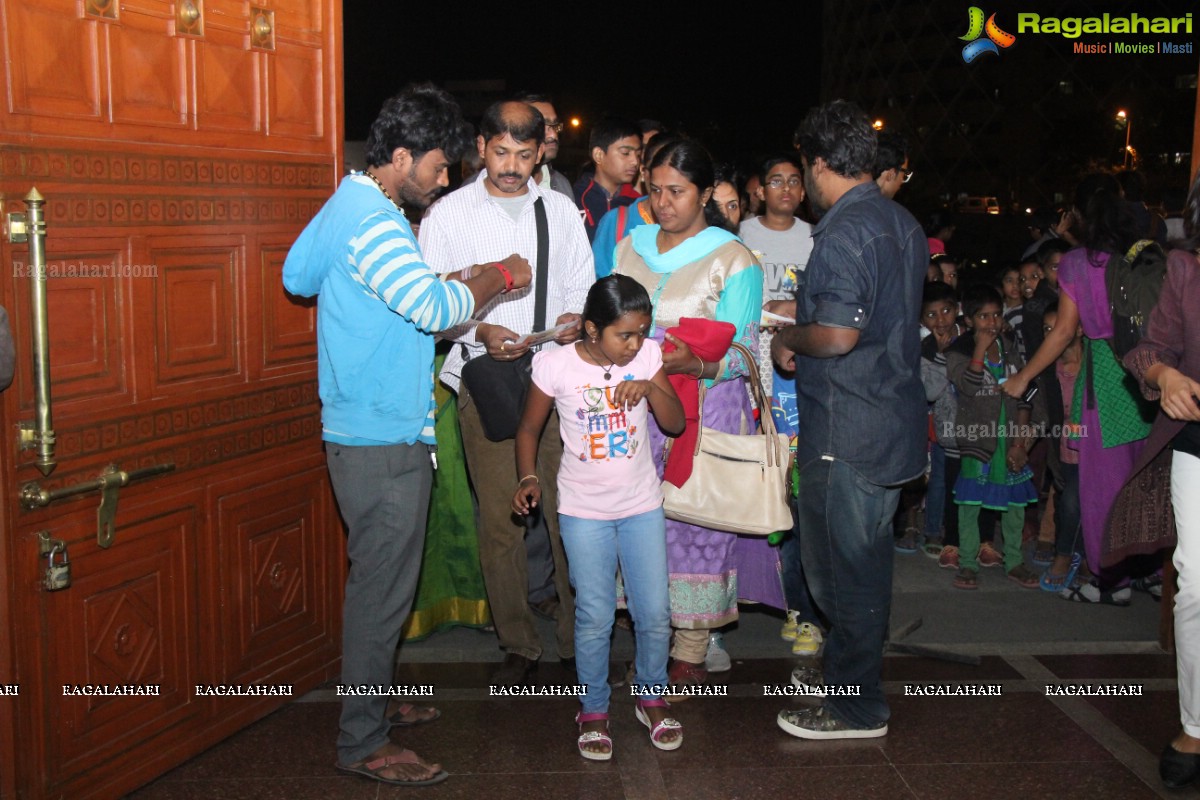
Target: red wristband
column 975, row 361
column 508, row 278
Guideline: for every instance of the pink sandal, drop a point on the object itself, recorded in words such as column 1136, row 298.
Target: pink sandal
column 656, row 731
column 593, row 737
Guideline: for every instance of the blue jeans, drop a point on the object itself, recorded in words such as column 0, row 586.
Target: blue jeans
column 935, row 492
column 795, row 588
column 594, row 548
column 847, row 544
column 1067, row 536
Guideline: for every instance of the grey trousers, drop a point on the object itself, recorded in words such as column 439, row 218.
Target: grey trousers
column 383, row 494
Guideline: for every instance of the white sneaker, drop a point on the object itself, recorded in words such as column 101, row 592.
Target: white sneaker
column 788, row 634
column 717, row 659
column 808, row 640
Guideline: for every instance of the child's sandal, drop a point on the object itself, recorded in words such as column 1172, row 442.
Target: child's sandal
column 657, row 731
column 593, row 737
column 966, row 579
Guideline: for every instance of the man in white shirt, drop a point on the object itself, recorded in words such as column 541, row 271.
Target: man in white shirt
column 479, row 223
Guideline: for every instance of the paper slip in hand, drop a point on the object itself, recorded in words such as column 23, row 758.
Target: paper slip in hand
column 770, row 320
column 534, row 339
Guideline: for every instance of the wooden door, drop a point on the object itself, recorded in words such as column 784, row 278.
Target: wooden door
column 180, row 146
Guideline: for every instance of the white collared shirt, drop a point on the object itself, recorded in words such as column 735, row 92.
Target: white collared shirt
column 465, row 227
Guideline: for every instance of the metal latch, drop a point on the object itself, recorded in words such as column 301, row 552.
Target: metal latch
column 109, row 483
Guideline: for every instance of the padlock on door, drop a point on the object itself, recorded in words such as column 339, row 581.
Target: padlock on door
column 58, row 575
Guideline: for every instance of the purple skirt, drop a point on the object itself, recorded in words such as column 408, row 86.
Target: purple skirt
column 711, row 570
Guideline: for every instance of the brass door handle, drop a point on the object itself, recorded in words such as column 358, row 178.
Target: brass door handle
column 31, row 227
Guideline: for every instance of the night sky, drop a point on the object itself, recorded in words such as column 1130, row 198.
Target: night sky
column 717, row 77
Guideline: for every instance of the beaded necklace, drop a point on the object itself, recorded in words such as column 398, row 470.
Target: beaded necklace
column 383, row 189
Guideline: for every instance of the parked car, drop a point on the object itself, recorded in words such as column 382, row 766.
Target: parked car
column 979, row 205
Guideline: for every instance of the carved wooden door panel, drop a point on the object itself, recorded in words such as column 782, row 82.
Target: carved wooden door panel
column 180, row 147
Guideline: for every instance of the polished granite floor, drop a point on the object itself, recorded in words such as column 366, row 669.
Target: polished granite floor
column 1021, row 744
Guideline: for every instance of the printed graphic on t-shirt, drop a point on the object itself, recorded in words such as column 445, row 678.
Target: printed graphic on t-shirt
column 603, row 426
column 779, row 280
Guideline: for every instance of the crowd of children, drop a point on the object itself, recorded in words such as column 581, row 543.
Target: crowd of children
column 995, row 458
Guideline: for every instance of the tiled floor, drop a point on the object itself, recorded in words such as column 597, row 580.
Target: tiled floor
column 1019, row 745
column 1022, row 744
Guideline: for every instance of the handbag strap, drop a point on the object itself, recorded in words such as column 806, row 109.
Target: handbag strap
column 765, row 418
column 543, row 262
column 543, row 266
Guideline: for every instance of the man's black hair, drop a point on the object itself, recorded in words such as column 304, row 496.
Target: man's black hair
column 647, row 125
column 771, row 162
column 515, row 117
column 533, row 97
column 937, row 292
column 612, row 129
column 939, row 218
column 890, row 152
column 840, row 134
column 1049, row 248
column 420, row 119
column 978, row 295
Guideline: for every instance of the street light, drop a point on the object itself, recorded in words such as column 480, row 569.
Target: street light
column 1121, row 115
column 877, row 124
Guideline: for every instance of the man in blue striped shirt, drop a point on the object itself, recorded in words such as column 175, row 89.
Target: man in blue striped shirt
column 379, row 307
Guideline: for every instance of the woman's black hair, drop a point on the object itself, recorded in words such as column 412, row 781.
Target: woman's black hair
column 420, row 119
column 978, row 295
column 694, row 163
column 1108, row 227
column 725, row 173
column 612, row 297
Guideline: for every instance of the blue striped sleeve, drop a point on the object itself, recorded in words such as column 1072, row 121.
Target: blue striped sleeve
column 388, row 263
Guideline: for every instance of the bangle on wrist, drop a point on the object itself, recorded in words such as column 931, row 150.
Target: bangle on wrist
column 700, row 374
column 508, row 278
column 527, row 477
column 975, row 361
column 466, row 273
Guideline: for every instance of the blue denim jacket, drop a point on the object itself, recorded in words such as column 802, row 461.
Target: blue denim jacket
column 866, row 408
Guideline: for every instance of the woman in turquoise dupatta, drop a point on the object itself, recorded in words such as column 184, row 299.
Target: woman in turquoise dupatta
column 693, row 268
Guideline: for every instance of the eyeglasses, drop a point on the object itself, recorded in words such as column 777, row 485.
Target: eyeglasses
column 554, row 126
column 778, row 181
column 908, row 173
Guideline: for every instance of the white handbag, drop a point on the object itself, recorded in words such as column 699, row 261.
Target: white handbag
column 738, row 482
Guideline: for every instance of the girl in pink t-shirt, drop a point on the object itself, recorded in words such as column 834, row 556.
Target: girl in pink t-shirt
column 609, row 500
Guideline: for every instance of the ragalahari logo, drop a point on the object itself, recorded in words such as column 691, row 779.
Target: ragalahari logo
column 995, row 40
